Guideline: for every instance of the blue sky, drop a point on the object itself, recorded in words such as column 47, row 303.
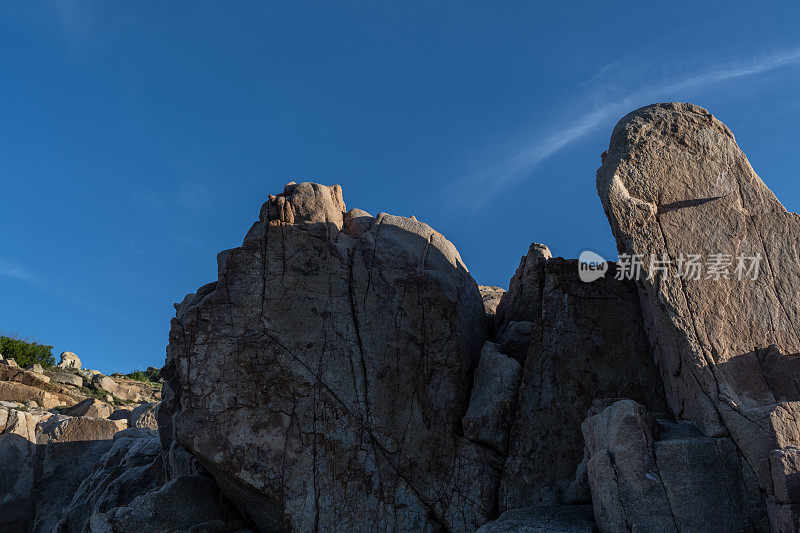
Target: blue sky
column 138, row 139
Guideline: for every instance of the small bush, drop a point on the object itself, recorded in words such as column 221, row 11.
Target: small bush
column 26, row 352
column 144, row 375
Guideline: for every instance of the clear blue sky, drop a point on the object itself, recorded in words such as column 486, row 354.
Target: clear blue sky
column 138, row 139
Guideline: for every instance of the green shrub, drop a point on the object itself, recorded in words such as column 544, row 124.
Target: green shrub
column 26, row 352
column 144, row 375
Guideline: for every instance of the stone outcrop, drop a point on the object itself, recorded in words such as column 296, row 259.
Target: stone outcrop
column 90, row 407
column 657, row 475
column 64, row 378
column 585, row 342
column 131, row 490
column 345, row 372
column 336, row 351
column 69, row 360
column 494, row 396
column 674, row 183
column 145, row 416
column 126, row 389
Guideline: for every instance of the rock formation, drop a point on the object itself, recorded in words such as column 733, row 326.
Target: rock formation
column 342, row 346
column 345, row 372
column 585, row 342
column 674, row 183
column 69, row 360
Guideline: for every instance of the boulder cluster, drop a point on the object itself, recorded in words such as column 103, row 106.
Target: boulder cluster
column 345, row 372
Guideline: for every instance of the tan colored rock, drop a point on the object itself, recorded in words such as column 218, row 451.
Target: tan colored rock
column 337, row 349
column 17, row 392
column 26, row 377
column 674, row 182
column 9, row 362
column 69, row 360
column 90, row 407
column 491, row 297
column 125, row 389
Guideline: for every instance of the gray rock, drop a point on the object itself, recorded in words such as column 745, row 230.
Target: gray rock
column 65, row 378
column 588, row 343
column 36, row 367
column 493, row 399
column 322, row 379
column 651, row 476
column 145, row 416
column 544, row 518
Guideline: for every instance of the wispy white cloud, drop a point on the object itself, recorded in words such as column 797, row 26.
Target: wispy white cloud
column 16, row 271
column 21, row 273
column 521, row 165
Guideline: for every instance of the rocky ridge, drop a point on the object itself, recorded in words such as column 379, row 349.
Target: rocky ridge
column 345, row 372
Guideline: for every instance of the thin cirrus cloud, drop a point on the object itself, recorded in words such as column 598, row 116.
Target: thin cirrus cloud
column 522, row 164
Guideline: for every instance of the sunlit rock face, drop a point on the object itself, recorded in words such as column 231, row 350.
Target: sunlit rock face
column 674, row 183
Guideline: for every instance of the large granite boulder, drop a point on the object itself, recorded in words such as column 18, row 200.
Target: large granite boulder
column 64, row 378
column 656, row 475
column 145, row 416
column 586, row 342
column 674, row 184
column 69, row 360
column 90, row 407
column 493, row 398
column 323, row 377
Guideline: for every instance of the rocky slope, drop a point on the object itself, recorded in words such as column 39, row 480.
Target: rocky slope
column 345, row 372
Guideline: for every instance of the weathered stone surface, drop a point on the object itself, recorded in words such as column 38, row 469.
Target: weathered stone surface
column 17, row 469
column 71, row 448
column 586, row 343
column 647, row 475
column 494, row 394
column 16, row 392
column 544, row 518
column 144, row 416
column 127, row 469
column 69, row 360
column 26, row 377
column 65, row 378
column 36, row 367
column 674, row 182
column 491, row 297
column 9, row 362
column 125, row 389
column 523, row 300
column 322, row 379
column 90, row 407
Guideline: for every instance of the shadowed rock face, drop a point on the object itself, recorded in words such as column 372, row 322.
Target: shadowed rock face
column 322, row 379
column 674, row 182
column 585, row 342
